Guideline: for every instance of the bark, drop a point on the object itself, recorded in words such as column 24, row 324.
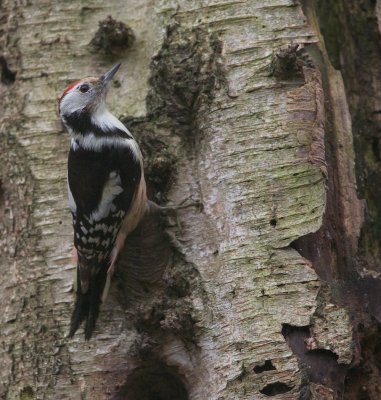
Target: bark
column 261, row 292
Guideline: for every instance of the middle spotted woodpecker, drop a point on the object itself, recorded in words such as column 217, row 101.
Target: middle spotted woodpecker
column 106, row 187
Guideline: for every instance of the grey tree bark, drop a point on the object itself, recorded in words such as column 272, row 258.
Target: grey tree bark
column 235, row 104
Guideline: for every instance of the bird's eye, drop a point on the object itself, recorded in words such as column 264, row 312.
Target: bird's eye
column 84, row 88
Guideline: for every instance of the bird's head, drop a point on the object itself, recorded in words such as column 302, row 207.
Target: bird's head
column 86, row 95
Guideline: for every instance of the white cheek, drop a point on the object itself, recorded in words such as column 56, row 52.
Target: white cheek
column 73, row 101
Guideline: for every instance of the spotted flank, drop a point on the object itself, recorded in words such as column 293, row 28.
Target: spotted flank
column 97, row 236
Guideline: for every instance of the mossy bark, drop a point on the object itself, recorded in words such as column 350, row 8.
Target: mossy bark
column 229, row 301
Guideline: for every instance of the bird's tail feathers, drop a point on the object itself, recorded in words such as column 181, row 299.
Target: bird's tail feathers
column 106, row 288
column 87, row 303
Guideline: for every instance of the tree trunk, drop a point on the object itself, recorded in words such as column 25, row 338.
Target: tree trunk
column 272, row 287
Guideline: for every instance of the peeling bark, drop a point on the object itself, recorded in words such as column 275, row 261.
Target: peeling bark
column 235, row 105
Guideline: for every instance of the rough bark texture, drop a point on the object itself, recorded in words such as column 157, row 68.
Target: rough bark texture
column 236, row 104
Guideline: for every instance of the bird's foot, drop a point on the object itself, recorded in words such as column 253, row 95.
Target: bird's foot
column 174, row 208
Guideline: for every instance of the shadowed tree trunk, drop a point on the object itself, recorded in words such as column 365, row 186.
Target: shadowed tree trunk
column 271, row 288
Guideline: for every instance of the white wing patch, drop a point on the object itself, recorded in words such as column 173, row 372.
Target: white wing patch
column 111, row 189
column 72, row 205
column 74, row 145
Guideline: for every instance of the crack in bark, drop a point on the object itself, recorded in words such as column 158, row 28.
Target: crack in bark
column 320, row 365
column 153, row 381
column 7, row 76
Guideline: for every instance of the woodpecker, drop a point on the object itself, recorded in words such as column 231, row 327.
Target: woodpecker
column 106, row 190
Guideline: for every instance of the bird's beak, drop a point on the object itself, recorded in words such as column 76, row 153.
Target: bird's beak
column 106, row 78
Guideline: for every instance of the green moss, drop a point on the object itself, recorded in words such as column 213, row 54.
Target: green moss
column 184, row 75
column 26, row 393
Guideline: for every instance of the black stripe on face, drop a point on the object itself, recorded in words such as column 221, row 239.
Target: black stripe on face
column 80, row 122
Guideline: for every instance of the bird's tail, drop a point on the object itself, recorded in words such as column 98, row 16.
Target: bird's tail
column 88, row 301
